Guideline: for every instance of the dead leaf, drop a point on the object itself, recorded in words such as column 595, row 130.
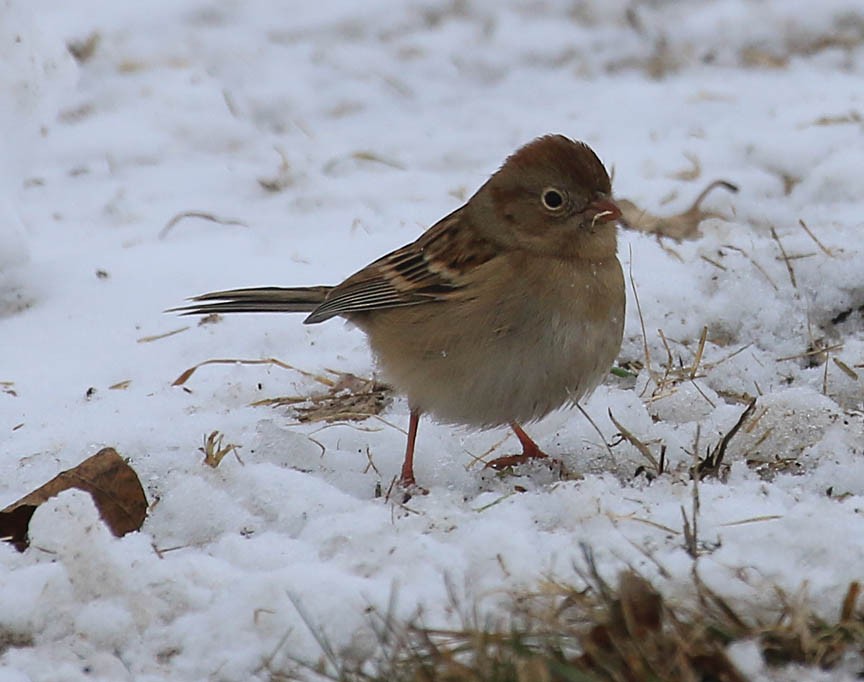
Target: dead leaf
column 111, row 482
column 678, row 227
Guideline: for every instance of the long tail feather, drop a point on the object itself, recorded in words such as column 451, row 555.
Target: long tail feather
column 256, row 300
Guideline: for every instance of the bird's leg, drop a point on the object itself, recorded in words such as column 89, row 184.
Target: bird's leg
column 530, row 450
column 406, row 478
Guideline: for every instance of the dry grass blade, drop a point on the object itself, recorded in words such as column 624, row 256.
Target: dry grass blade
column 828, row 252
column 847, row 612
column 691, row 543
column 703, row 337
column 815, row 354
column 362, row 156
column 348, row 398
column 197, row 214
column 710, row 466
column 846, row 369
column 636, row 443
column 717, row 265
column 639, row 310
column 157, row 337
column 595, row 427
column 609, row 633
column 752, row 519
column 667, row 383
column 184, row 377
column 691, row 529
column 624, row 631
column 283, row 178
column 755, row 264
column 784, row 257
column 214, row 451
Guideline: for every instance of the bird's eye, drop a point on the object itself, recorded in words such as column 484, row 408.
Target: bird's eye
column 552, row 199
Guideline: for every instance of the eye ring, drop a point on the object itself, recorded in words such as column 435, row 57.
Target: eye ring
column 552, row 199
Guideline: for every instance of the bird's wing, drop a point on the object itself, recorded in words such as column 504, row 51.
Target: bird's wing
column 435, row 267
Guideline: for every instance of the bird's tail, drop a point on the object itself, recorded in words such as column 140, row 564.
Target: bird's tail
column 256, row 300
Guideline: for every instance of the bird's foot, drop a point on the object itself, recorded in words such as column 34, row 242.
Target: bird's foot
column 530, row 450
column 408, row 488
column 509, row 461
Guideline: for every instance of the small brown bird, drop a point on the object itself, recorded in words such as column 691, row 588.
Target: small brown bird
column 503, row 311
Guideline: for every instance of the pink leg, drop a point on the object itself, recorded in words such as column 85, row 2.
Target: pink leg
column 530, row 450
column 406, row 478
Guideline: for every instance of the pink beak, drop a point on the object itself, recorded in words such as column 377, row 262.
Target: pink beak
column 603, row 211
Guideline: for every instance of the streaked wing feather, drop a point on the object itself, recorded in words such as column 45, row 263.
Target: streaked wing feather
column 427, row 270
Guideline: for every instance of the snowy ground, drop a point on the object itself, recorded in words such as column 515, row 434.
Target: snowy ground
column 369, row 121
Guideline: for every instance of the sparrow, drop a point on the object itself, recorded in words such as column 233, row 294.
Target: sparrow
column 503, row 311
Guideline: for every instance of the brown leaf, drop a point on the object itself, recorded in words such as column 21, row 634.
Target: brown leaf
column 111, row 482
column 681, row 226
column 641, row 605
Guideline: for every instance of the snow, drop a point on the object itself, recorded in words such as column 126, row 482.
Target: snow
column 376, row 119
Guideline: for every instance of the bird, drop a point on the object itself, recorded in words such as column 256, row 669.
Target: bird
column 506, row 309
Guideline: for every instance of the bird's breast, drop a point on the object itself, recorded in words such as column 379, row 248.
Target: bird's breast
column 515, row 350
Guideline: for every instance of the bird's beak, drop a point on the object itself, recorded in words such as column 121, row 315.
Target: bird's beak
column 603, row 211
